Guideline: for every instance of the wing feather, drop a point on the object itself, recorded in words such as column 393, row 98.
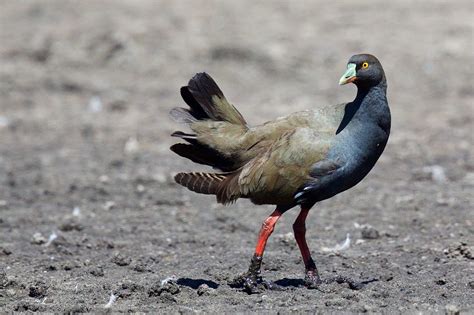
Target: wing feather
column 276, row 174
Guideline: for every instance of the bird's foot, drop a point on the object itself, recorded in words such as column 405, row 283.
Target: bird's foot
column 253, row 283
column 312, row 279
column 248, row 281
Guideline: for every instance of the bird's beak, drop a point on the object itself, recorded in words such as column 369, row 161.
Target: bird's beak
column 350, row 74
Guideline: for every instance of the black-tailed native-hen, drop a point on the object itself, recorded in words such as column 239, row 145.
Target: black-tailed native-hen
column 296, row 160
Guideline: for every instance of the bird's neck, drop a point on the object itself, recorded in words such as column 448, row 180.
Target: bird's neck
column 370, row 104
column 367, row 93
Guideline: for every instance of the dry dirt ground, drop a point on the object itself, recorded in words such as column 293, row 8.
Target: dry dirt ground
column 85, row 87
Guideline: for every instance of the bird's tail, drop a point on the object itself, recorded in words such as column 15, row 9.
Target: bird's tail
column 208, row 110
column 222, row 185
column 209, row 115
column 206, row 102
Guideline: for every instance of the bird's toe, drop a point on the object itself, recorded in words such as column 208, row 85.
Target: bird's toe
column 253, row 284
column 312, row 280
column 247, row 281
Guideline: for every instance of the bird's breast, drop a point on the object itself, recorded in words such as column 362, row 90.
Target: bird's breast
column 357, row 148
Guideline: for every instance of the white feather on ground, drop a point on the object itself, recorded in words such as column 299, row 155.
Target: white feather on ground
column 339, row 247
column 112, row 300
column 51, row 239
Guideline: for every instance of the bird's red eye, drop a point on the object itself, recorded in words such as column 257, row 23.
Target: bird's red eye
column 365, row 65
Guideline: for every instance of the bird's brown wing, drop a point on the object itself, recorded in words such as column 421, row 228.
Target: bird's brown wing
column 274, row 176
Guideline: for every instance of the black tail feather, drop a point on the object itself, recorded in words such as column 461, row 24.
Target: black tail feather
column 189, row 137
column 203, row 155
column 203, row 87
column 206, row 102
column 196, row 110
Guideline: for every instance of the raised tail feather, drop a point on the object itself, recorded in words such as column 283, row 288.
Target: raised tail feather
column 206, row 101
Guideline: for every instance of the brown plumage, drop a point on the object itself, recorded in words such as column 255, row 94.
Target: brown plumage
column 266, row 163
column 204, row 183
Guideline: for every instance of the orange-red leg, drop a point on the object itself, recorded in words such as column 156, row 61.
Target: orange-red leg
column 299, row 229
column 266, row 230
column 249, row 279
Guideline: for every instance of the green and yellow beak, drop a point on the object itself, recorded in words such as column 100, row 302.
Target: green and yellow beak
column 350, row 74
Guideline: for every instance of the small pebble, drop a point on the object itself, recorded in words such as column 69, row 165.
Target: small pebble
column 160, row 178
column 109, row 205
column 3, row 279
column 71, row 225
column 76, row 212
column 132, row 145
column 69, row 265
column 121, row 260
column 38, row 290
column 103, row 179
column 38, row 239
column 168, row 288
column 97, row 271
column 437, row 173
column 140, row 189
column 287, row 238
column 440, row 282
column 95, row 104
column 204, row 289
column 369, row 232
column 5, row 251
column 452, row 309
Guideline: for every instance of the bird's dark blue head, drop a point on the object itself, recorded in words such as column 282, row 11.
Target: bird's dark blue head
column 364, row 70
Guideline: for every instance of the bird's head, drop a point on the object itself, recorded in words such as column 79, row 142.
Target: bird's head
column 363, row 70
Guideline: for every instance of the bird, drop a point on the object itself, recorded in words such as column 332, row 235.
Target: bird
column 293, row 161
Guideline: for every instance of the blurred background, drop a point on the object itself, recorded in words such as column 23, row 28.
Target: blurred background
column 85, row 90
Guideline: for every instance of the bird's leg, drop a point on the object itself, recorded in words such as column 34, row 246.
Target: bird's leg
column 311, row 279
column 249, row 279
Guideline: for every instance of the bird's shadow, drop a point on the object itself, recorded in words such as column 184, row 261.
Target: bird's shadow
column 287, row 282
column 284, row 283
column 195, row 283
